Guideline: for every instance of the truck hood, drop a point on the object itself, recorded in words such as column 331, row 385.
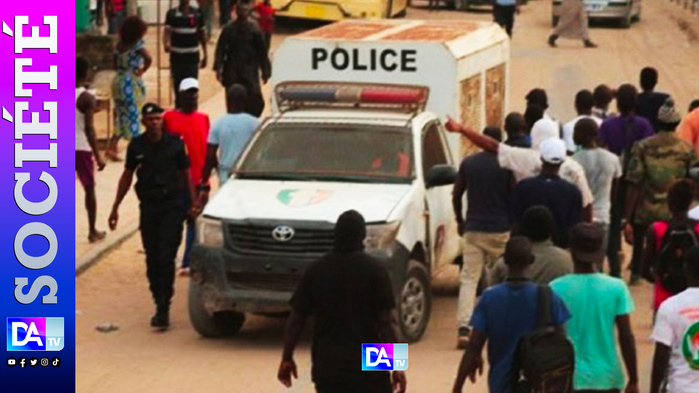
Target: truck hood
column 308, row 201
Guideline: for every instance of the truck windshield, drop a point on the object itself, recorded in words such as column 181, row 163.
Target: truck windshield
column 324, row 152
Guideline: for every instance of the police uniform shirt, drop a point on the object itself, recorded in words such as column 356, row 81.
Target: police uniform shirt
column 158, row 167
column 184, row 34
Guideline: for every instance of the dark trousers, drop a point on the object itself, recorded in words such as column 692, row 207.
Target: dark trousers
column 161, row 227
column 180, row 70
column 639, row 237
column 224, row 10
column 504, row 15
column 380, row 383
column 267, row 35
column 614, row 237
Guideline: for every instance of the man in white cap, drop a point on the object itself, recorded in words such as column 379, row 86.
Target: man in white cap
column 563, row 199
column 525, row 163
column 193, row 127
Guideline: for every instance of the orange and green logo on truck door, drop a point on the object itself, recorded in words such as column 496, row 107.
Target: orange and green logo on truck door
column 298, row 198
column 690, row 346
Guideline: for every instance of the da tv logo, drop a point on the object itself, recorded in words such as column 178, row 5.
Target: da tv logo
column 35, row 334
column 384, row 357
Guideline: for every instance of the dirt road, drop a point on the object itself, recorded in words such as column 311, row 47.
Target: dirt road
column 134, row 359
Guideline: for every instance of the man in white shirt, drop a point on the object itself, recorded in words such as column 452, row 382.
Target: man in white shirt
column 526, row 163
column 676, row 336
column 584, row 101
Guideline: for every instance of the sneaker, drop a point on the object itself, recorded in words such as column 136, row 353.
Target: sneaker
column 463, row 337
column 590, row 44
column 160, row 321
column 552, row 41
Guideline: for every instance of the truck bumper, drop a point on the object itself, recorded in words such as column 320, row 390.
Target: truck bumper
column 264, row 284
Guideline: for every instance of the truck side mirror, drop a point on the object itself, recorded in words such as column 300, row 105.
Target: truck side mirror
column 440, row 175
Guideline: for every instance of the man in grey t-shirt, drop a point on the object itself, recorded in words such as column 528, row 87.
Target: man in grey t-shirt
column 602, row 169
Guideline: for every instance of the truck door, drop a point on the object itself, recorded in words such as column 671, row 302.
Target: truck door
column 438, row 209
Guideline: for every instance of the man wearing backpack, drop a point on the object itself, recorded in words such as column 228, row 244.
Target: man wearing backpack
column 504, row 315
column 675, row 334
column 597, row 302
column 667, row 242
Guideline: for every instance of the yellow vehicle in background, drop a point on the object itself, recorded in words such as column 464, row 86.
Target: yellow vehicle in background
column 334, row 10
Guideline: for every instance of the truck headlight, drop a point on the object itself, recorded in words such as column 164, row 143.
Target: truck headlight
column 210, row 232
column 381, row 236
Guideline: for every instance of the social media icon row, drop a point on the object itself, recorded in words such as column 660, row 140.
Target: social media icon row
column 33, row 362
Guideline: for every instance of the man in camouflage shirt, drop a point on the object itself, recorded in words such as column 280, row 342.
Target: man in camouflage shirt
column 655, row 164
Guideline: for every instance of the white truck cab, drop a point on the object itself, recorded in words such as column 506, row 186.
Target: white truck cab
column 332, row 145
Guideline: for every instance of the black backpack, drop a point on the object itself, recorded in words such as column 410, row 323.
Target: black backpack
column 545, row 359
column 669, row 264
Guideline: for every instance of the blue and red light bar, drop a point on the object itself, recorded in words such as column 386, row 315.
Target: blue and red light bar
column 298, row 94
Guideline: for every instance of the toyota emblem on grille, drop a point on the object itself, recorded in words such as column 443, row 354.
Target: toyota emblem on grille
column 283, row 233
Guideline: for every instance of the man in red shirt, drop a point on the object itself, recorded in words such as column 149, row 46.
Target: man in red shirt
column 193, row 127
column 265, row 20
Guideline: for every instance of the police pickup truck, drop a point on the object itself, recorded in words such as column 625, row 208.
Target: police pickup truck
column 363, row 133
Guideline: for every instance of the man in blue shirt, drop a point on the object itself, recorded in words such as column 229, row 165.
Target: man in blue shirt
column 230, row 134
column 504, row 14
column 549, row 189
column 504, row 314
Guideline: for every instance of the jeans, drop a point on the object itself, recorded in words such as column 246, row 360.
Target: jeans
column 504, row 15
column 191, row 233
column 161, row 234
column 481, row 250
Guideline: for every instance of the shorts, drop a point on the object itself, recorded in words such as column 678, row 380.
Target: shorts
column 85, row 168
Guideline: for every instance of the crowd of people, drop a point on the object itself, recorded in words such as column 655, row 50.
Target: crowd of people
column 547, row 205
column 175, row 155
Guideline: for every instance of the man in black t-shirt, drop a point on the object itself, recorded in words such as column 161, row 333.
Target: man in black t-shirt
column 349, row 294
column 184, row 33
column 162, row 170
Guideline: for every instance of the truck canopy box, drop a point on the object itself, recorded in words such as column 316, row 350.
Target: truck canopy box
column 464, row 64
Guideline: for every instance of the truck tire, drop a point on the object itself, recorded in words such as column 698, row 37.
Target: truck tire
column 414, row 303
column 220, row 324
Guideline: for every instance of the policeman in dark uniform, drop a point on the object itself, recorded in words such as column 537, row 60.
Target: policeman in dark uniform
column 162, row 171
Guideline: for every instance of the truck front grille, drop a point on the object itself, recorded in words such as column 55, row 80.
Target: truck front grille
column 258, row 239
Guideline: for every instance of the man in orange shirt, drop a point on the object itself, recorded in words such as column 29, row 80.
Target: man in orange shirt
column 689, row 128
column 193, row 127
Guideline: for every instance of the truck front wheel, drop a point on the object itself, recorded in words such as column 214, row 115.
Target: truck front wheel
column 415, row 303
column 219, row 324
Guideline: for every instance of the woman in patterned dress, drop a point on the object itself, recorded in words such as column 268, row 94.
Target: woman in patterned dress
column 131, row 61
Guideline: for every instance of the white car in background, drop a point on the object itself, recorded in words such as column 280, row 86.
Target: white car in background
column 625, row 11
